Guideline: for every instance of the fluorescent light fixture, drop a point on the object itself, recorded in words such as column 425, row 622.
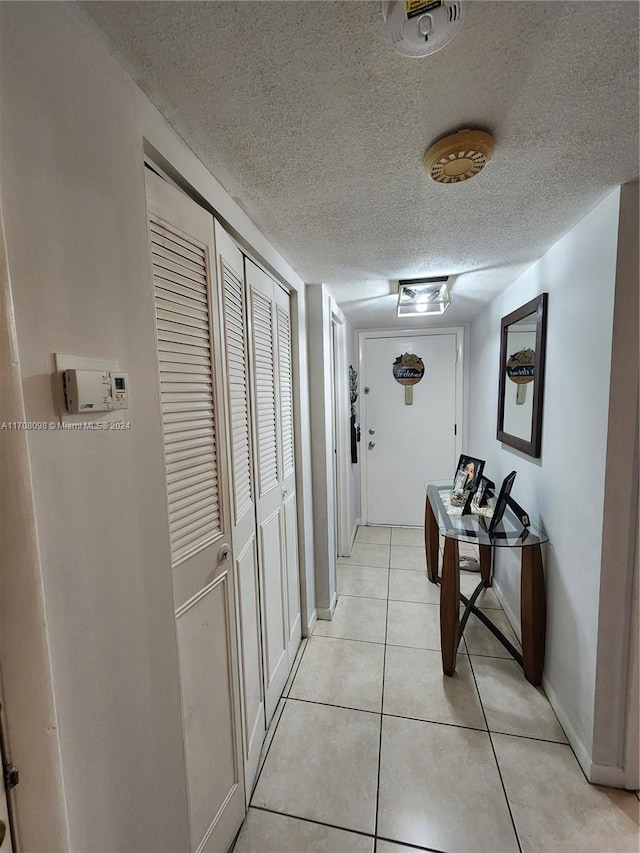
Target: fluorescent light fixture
column 423, row 296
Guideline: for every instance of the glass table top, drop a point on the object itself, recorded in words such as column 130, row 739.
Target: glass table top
column 474, row 528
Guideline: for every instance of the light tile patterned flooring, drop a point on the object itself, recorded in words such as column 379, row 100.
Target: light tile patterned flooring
column 373, row 750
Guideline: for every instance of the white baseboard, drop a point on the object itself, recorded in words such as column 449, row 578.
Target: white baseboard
column 605, row 774
column 327, row 612
column 312, row 624
column 582, row 753
column 597, row 774
column 354, row 532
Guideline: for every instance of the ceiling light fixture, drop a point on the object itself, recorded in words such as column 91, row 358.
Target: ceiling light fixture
column 421, row 27
column 423, row 296
column 459, row 156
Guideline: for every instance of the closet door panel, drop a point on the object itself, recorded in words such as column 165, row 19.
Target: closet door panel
column 273, row 600
column 243, row 509
column 269, row 468
column 290, row 515
column 253, row 719
column 187, row 328
column 294, row 623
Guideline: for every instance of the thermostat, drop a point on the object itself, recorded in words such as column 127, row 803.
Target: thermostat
column 87, row 391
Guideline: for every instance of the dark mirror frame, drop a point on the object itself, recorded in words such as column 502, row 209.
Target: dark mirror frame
column 537, row 306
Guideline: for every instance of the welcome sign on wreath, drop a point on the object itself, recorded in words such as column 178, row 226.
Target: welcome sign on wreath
column 521, row 369
column 408, row 370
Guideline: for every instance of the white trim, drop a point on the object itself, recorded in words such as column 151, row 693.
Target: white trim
column 354, row 532
column 602, row 774
column 581, row 752
column 597, row 774
column 327, row 612
column 308, row 631
column 340, row 388
column 459, row 332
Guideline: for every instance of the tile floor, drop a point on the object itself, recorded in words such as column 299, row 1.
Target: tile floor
column 373, row 750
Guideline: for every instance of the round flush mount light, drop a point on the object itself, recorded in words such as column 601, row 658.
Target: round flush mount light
column 459, row 156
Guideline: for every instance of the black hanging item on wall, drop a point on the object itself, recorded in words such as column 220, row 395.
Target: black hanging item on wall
column 355, row 437
column 355, row 427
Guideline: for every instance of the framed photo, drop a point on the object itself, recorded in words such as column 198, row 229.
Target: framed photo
column 501, row 503
column 483, row 492
column 468, row 473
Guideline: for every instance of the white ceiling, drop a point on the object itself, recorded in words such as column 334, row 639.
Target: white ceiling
column 317, row 127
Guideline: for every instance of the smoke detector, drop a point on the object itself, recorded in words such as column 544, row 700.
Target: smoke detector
column 459, row 156
column 421, row 27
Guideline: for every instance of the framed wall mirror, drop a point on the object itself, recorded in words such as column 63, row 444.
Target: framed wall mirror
column 521, row 388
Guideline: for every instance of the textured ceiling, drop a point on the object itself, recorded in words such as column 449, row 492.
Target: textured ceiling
column 318, row 129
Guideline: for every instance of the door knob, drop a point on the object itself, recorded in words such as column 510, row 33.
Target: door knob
column 224, row 553
column 371, row 445
column 372, row 431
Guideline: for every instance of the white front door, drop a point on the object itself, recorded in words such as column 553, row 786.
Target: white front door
column 189, row 345
column 276, row 513
column 404, row 446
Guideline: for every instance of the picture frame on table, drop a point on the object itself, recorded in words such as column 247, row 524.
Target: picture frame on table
column 473, row 468
column 483, row 492
column 502, row 500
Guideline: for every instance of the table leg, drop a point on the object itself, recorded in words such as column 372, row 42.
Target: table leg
column 431, row 541
column 533, row 613
column 450, row 606
column 485, row 564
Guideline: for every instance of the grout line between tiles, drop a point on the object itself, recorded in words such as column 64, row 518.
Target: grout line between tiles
column 299, row 655
column 266, row 755
column 313, row 820
column 384, row 667
column 495, row 758
column 351, row 595
column 334, row 637
column 333, row 705
column 532, row 737
column 408, row 844
column 346, row 640
column 296, row 666
column 435, row 722
column 419, row 648
column 407, row 601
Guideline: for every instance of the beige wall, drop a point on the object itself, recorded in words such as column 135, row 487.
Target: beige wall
column 26, row 691
column 71, row 172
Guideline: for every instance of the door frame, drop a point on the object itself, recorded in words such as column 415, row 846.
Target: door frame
column 458, row 331
column 341, row 450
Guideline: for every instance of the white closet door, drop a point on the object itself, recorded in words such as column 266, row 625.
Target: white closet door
column 243, row 534
column 275, row 502
column 289, row 505
column 190, row 360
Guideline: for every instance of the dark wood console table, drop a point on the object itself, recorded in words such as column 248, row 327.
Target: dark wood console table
column 443, row 518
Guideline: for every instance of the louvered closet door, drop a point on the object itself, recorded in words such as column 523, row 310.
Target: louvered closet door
column 243, row 519
column 189, row 361
column 289, row 505
column 275, row 489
